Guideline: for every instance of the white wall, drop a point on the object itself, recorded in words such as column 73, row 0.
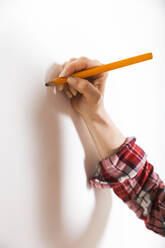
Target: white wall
column 45, row 148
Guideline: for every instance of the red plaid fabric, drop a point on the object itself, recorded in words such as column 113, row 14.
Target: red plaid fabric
column 133, row 179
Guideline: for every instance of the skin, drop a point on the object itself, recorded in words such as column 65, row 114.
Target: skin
column 87, row 98
column 86, row 95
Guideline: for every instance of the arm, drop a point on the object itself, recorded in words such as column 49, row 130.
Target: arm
column 106, row 136
column 124, row 168
column 123, row 165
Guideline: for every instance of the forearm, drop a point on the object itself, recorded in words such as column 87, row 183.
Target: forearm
column 106, row 136
column 128, row 172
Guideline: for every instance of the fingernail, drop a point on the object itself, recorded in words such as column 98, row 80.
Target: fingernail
column 74, row 92
column 69, row 94
column 60, row 87
column 62, row 74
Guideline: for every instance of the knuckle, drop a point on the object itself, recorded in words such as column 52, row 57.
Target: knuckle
column 63, row 65
column 72, row 59
column 99, row 97
column 67, row 63
column 97, row 62
column 71, row 63
column 84, row 58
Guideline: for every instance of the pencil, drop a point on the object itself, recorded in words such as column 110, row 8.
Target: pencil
column 102, row 68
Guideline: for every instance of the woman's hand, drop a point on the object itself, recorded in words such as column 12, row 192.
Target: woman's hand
column 86, row 94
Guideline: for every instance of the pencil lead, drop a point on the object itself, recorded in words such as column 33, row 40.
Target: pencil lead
column 46, row 84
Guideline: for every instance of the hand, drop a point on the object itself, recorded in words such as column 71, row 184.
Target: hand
column 86, row 94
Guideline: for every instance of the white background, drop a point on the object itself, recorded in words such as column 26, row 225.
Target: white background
column 46, row 153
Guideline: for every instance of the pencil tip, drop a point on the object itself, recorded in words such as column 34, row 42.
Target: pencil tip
column 46, row 84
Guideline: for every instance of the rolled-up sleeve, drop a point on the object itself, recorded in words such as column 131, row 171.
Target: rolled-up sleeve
column 133, row 179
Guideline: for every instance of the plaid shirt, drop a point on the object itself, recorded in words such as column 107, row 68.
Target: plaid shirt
column 133, row 179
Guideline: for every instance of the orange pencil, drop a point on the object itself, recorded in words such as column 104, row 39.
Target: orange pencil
column 102, row 68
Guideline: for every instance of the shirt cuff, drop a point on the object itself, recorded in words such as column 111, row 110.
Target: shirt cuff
column 122, row 165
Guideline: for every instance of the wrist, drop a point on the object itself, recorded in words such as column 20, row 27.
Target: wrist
column 106, row 136
column 98, row 116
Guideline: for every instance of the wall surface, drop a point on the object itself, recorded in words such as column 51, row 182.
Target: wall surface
column 46, row 150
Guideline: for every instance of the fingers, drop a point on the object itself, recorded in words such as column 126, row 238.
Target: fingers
column 74, row 65
column 79, row 64
column 69, row 91
column 60, row 87
column 101, row 82
column 84, row 87
column 74, row 92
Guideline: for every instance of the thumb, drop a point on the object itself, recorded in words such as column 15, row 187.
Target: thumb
column 83, row 86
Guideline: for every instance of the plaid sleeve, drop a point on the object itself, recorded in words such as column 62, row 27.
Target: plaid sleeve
column 133, row 179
